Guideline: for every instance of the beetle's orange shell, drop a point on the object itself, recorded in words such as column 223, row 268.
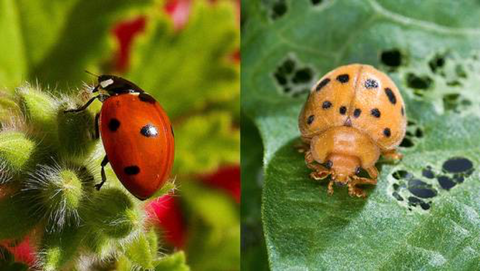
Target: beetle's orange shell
column 365, row 90
column 126, row 146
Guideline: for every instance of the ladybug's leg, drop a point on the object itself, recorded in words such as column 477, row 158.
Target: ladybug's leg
column 392, row 155
column 97, row 129
column 104, row 177
column 83, row 107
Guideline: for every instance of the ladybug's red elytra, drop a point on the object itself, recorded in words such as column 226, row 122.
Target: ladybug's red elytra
column 353, row 115
column 136, row 133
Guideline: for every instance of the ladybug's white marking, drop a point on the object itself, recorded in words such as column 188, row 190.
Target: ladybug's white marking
column 106, row 83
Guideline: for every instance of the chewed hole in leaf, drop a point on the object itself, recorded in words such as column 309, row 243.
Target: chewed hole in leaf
column 458, row 165
column 413, row 134
column 278, row 8
column 316, row 2
column 437, row 63
column 391, row 58
column 418, row 83
column 302, row 76
column 401, row 174
column 454, row 102
column 294, row 78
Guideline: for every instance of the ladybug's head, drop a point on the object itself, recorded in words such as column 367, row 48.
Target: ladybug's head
column 342, row 168
column 115, row 85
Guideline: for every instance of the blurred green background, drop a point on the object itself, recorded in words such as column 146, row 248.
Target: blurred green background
column 184, row 53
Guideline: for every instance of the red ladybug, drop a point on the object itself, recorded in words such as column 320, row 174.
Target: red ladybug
column 136, row 134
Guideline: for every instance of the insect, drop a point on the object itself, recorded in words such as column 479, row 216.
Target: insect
column 353, row 115
column 136, row 134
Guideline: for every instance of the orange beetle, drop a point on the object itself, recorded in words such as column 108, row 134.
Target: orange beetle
column 136, row 134
column 353, row 115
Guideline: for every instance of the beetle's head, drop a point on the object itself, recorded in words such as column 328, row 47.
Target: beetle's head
column 342, row 168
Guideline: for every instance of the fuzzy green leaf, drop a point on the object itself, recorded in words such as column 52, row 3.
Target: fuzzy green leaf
column 174, row 262
column 212, row 139
column 436, row 69
column 190, row 69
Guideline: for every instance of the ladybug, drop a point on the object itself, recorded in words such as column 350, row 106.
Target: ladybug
column 352, row 115
column 136, row 134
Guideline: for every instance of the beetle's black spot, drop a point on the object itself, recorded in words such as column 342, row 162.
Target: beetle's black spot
column 387, row 132
column 457, row 165
column 149, row 131
column 113, row 124
column 402, row 111
column 322, row 83
column 132, row 170
column 343, row 110
column 326, row 105
column 310, row 119
column 446, row 182
column 370, row 83
column 144, row 97
column 391, row 95
column 375, row 112
column 357, row 112
column 343, row 78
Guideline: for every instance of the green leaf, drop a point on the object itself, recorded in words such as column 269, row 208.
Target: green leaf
column 192, row 68
column 253, row 250
column 173, row 262
column 214, row 229
column 212, row 139
column 436, row 73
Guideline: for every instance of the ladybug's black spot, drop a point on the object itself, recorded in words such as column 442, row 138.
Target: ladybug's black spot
column 113, row 125
column 323, row 83
column 357, row 113
column 402, row 111
column 144, row 97
column 326, row 105
column 343, row 78
column 149, row 131
column 132, row 170
column 375, row 112
column 343, row 110
column 310, row 119
column 370, row 83
column 391, row 96
column 387, row 132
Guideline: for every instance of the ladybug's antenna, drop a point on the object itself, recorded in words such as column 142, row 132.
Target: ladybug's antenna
column 91, row 73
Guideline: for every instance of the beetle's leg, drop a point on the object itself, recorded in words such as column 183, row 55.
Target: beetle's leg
column 373, row 172
column 355, row 191
column 320, row 172
column 97, row 129
column 330, row 187
column 83, row 107
column 392, row 155
column 104, row 177
column 302, row 147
